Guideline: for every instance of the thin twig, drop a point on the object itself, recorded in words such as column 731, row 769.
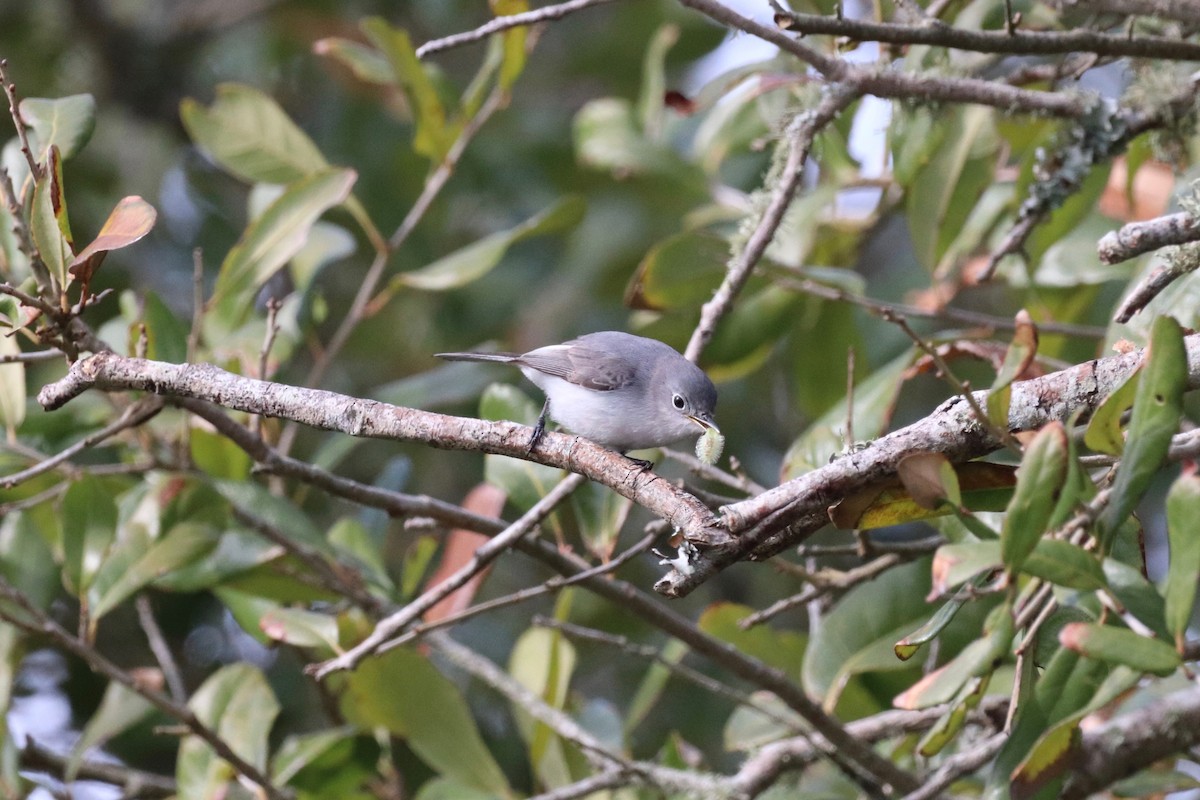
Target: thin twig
column 500, row 24
column 555, row 584
column 958, row 765
column 14, row 107
column 339, row 577
column 160, row 648
column 135, row 783
column 800, row 135
column 654, row 655
column 824, row 582
column 880, row 307
column 33, row 621
column 959, row 386
column 893, row 84
column 133, row 416
column 394, row 624
column 366, row 290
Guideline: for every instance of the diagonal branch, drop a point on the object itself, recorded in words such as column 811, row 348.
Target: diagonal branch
column 395, row 623
column 804, row 130
column 32, row 620
column 786, row 515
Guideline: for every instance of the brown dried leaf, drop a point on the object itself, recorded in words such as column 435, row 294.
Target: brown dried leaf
column 132, row 219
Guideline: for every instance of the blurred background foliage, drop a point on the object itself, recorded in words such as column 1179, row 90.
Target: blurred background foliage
column 603, row 208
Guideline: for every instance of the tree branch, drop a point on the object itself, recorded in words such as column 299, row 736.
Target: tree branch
column 1135, row 238
column 1130, row 742
column 1019, row 42
column 897, row 85
column 370, row 418
column 786, row 515
column 804, row 129
column 484, row 555
column 500, row 24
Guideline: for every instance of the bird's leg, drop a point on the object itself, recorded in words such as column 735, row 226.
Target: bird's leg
column 539, row 427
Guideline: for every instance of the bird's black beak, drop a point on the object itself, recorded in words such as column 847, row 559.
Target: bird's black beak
column 704, row 421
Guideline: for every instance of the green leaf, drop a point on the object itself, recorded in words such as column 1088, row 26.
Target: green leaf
column 650, row 690
column 1040, row 478
column 433, row 136
column 279, row 512
column 166, row 334
column 1076, row 208
column 238, row 704
column 12, row 387
column 951, row 180
column 980, row 657
column 957, row 563
column 543, row 661
column 525, row 482
column 1017, row 358
column 402, row 692
column 1137, row 595
column 1183, row 572
column 1065, row 564
column 1104, row 429
column 783, row 650
column 651, row 108
column 874, row 399
column 66, row 123
column 367, row 63
column 1115, row 645
column 477, row 259
column 250, row 136
column 1048, row 759
column 89, row 525
column 48, row 221
column 681, row 271
column 1154, row 782
column 301, row 628
column 859, row 634
column 329, row 752
column 514, row 42
column 600, row 514
column 1157, row 407
column 749, row 728
column 217, row 455
column 272, row 239
column 183, row 545
column 120, row 709
column 608, row 136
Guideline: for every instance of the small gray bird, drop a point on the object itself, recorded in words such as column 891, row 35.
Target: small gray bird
column 622, row 391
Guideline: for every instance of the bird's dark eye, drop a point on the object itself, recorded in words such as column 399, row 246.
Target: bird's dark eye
column 677, row 401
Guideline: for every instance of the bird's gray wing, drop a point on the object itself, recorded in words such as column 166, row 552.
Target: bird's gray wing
column 582, row 365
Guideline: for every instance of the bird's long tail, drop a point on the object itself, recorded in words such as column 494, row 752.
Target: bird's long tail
column 503, row 358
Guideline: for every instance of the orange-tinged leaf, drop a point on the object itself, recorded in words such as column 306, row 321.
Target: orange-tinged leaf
column 487, row 500
column 132, row 219
column 1048, row 759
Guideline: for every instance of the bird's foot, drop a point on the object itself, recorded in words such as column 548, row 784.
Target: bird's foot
column 539, row 427
column 642, row 464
